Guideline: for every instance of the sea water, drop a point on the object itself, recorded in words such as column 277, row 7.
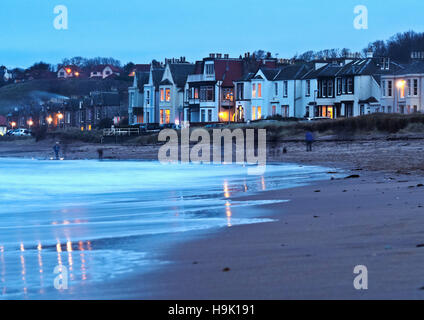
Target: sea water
column 99, row 220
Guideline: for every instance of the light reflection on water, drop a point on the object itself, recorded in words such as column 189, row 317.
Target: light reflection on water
column 82, row 216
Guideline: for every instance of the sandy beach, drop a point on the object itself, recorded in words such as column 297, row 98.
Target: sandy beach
column 317, row 238
column 311, row 249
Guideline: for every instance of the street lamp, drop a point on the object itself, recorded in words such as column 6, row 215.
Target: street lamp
column 30, row 123
column 13, row 124
column 60, row 117
column 401, row 86
column 49, row 120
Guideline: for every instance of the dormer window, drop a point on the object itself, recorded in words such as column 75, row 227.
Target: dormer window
column 385, row 64
column 209, row 69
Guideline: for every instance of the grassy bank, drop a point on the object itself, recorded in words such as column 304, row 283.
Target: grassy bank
column 345, row 128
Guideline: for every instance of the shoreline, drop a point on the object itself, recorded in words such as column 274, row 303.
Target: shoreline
column 326, row 229
column 311, row 249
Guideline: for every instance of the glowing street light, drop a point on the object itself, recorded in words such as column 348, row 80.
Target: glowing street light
column 30, row 123
column 13, row 124
column 400, row 84
column 49, row 120
column 60, row 116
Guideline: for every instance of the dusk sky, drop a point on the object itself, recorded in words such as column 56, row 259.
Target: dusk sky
column 142, row 30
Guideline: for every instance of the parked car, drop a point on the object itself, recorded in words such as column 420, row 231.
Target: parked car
column 21, row 133
column 169, row 126
column 10, row 132
column 149, row 127
column 215, row 125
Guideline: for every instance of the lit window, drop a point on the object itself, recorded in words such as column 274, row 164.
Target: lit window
column 259, row 90
column 253, row 113
column 168, row 95
column 168, row 116
column 254, row 90
column 259, row 113
column 161, row 116
column 162, row 96
column 228, row 94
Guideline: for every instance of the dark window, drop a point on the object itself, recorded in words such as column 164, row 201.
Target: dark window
column 240, row 91
column 349, row 85
column 206, row 93
column 330, row 88
column 389, row 88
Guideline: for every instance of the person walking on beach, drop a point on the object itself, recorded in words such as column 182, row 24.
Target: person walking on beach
column 309, row 138
column 56, row 150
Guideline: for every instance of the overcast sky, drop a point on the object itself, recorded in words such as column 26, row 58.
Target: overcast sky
column 141, row 30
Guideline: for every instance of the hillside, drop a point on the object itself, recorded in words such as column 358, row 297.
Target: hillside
column 31, row 92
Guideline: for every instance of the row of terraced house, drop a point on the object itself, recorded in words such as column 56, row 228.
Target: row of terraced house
column 222, row 89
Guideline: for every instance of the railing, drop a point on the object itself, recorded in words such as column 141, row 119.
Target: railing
column 200, row 77
column 120, row 132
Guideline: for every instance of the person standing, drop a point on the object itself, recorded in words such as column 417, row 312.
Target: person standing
column 56, row 150
column 309, row 138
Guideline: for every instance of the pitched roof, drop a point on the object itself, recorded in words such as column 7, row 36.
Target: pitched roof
column 157, row 75
column 270, row 73
column 142, row 79
column 368, row 66
column 142, row 67
column 246, row 77
column 292, row 72
column 329, row 70
column 166, row 82
column 180, row 72
column 412, row 68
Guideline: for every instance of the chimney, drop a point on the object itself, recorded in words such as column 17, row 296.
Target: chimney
column 219, row 55
column 212, row 55
column 226, row 56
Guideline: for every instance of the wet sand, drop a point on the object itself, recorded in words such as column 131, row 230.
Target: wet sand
column 310, row 252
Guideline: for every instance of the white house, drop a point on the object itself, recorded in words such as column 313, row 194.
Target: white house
column 210, row 91
column 136, row 98
column 171, row 91
column 104, row 71
column 66, row 72
column 403, row 91
column 151, row 95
